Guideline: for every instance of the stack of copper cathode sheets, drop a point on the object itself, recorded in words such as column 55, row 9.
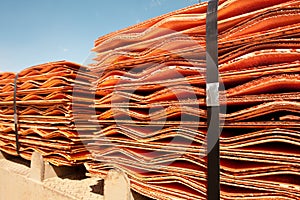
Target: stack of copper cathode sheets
column 44, row 112
column 150, row 102
column 151, row 80
column 140, row 106
column 259, row 63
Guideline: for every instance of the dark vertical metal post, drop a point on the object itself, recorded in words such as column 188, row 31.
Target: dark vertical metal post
column 213, row 105
column 16, row 115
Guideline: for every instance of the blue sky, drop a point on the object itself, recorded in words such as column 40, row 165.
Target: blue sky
column 38, row 31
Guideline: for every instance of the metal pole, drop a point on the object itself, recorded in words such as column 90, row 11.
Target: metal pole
column 213, row 105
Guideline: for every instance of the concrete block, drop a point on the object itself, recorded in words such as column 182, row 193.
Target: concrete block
column 1, row 155
column 117, row 186
column 15, row 183
column 49, row 171
column 37, row 167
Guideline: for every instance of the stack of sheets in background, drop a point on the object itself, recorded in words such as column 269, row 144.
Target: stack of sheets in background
column 154, row 73
column 45, row 117
column 6, row 107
